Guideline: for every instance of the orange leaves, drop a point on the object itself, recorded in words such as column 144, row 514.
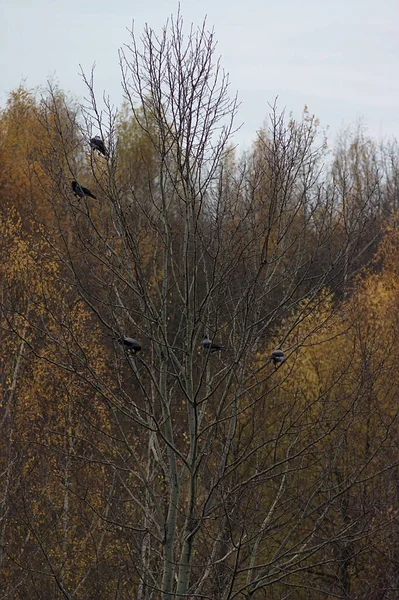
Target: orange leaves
column 38, row 147
column 22, row 141
column 26, row 268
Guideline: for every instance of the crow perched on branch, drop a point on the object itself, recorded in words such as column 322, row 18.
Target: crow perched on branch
column 208, row 345
column 80, row 191
column 277, row 357
column 97, row 143
column 129, row 344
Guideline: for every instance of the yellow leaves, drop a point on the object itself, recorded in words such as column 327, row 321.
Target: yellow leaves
column 377, row 296
column 25, row 266
column 22, row 263
column 342, row 356
column 21, row 140
column 46, row 325
column 38, row 148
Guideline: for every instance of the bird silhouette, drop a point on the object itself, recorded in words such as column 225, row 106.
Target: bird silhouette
column 277, row 357
column 97, row 143
column 80, row 191
column 129, row 344
column 208, row 345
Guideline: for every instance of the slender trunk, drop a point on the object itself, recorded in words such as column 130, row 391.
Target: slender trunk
column 8, row 418
column 192, row 416
column 145, row 549
column 170, row 523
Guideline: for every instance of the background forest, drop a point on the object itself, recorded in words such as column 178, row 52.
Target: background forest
column 175, row 472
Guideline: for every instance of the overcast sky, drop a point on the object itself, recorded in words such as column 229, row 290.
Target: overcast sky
column 340, row 57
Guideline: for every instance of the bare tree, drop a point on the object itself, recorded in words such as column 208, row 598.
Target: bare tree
column 218, row 474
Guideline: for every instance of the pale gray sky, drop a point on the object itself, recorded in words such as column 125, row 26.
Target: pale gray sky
column 340, row 57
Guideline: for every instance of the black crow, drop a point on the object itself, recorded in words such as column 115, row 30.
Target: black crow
column 207, row 344
column 80, row 191
column 130, row 344
column 97, row 143
column 277, row 357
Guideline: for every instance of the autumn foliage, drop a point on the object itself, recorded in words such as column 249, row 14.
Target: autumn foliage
column 177, row 473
